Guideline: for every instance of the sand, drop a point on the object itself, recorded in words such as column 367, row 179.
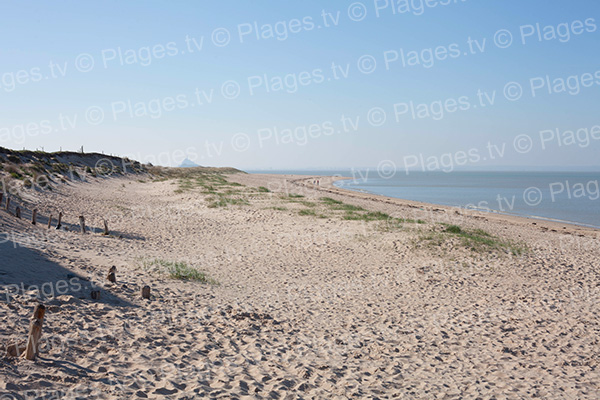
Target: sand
column 306, row 306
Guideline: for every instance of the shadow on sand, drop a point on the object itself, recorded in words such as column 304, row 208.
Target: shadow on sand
column 26, row 271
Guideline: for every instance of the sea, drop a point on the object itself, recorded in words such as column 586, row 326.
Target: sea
column 570, row 197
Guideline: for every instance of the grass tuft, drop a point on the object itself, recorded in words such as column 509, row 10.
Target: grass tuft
column 453, row 229
column 330, row 201
column 223, row 201
column 178, row 270
column 339, row 205
column 477, row 240
column 306, row 212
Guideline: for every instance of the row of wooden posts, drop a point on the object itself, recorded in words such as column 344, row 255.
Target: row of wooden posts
column 35, row 326
column 34, row 215
column 31, row 349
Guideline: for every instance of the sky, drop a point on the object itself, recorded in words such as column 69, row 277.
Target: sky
column 296, row 85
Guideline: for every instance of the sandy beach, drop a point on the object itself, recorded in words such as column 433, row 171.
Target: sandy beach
column 308, row 292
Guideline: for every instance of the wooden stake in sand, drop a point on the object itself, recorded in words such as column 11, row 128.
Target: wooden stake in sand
column 7, row 203
column 146, row 292
column 82, row 224
column 33, row 217
column 95, row 295
column 111, row 274
column 106, row 233
column 1, row 196
column 59, row 225
column 18, row 212
column 50, row 221
column 35, row 332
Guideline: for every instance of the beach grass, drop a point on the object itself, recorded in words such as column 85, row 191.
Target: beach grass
column 223, row 200
column 306, row 212
column 206, row 181
column 477, row 240
column 330, row 201
column 454, row 229
column 178, row 270
column 339, row 205
column 221, row 193
column 366, row 216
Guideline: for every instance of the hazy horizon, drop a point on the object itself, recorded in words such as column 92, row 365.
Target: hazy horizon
column 500, row 168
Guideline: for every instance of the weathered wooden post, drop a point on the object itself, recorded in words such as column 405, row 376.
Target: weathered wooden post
column 111, row 274
column 95, row 295
column 18, row 212
column 50, row 221
column 106, row 233
column 1, row 196
column 59, row 225
column 146, row 292
column 82, row 223
column 35, row 332
column 7, row 203
column 34, row 217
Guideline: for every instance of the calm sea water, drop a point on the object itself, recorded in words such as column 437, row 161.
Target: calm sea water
column 562, row 196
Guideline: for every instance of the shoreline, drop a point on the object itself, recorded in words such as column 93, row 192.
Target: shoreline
column 327, row 185
column 491, row 211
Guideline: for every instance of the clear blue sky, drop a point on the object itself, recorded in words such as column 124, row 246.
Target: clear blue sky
column 60, row 63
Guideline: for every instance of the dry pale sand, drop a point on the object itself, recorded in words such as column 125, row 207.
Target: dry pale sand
column 307, row 306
